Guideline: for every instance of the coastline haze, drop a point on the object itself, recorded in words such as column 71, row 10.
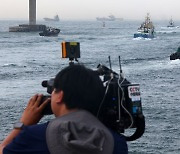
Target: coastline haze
column 89, row 10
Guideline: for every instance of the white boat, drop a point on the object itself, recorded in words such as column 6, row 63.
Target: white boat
column 171, row 24
column 56, row 18
column 109, row 18
column 146, row 30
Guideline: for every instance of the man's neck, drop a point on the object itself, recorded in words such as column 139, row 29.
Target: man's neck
column 64, row 110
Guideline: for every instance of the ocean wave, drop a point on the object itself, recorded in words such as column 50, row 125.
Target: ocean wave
column 13, row 65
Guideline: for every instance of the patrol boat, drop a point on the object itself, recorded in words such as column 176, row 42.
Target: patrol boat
column 49, row 31
column 146, row 30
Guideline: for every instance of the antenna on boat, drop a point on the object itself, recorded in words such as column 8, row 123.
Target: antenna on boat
column 120, row 64
column 121, row 73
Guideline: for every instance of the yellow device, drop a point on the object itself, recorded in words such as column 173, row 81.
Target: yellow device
column 70, row 50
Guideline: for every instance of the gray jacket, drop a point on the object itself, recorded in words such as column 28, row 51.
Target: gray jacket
column 78, row 132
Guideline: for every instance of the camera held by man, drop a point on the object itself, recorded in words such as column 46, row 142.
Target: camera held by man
column 121, row 106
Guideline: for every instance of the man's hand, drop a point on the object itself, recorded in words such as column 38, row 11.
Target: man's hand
column 33, row 112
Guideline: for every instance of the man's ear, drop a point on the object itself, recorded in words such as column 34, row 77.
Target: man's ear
column 60, row 96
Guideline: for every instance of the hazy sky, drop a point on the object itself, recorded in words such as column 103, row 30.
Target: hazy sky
column 90, row 9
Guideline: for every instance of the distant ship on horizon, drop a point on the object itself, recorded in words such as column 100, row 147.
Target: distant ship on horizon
column 109, row 18
column 56, row 18
column 171, row 24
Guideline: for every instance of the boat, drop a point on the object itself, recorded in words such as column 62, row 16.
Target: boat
column 171, row 24
column 109, row 18
column 146, row 30
column 49, row 31
column 175, row 55
column 56, row 18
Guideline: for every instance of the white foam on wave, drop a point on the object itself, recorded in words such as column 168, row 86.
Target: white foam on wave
column 9, row 64
column 141, row 38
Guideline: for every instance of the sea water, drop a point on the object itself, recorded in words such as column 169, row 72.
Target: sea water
column 26, row 59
